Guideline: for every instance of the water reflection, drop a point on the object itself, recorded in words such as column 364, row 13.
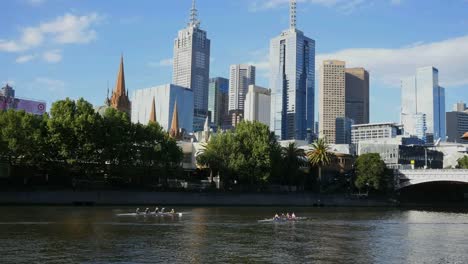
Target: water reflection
column 232, row 235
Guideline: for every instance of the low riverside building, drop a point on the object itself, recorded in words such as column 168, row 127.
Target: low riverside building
column 375, row 131
column 165, row 98
column 396, row 155
column 257, row 105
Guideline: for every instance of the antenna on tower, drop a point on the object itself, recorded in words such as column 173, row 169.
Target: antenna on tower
column 194, row 22
column 292, row 14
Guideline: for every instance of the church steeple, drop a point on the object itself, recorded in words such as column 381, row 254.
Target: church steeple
column 174, row 132
column 152, row 117
column 119, row 98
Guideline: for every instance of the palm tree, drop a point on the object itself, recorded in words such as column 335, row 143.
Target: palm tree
column 293, row 158
column 320, row 156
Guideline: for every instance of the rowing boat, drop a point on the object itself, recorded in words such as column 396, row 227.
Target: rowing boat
column 277, row 220
column 151, row 214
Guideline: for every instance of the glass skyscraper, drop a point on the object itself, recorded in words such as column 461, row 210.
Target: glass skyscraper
column 292, row 82
column 422, row 94
column 218, row 100
column 192, row 66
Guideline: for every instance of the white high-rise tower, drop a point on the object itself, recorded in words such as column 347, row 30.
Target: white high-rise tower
column 292, row 82
column 192, row 65
column 240, row 77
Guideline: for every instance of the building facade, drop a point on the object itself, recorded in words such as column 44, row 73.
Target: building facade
column 218, row 101
column 257, row 105
column 343, row 127
column 415, row 125
column 365, row 132
column 357, row 95
column 460, row 107
column 457, row 126
column 240, row 77
column 165, row 98
column 422, row 94
column 7, row 91
column 9, row 101
column 332, row 103
column 192, row 66
column 292, row 82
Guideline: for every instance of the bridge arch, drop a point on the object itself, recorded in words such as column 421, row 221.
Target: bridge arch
column 406, row 178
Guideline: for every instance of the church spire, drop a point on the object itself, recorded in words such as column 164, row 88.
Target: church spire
column 292, row 14
column 119, row 98
column 194, row 22
column 174, row 132
column 152, row 117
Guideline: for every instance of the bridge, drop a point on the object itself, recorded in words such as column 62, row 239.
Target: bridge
column 405, row 178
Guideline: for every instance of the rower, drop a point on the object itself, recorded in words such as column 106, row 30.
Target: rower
column 172, row 211
column 137, row 210
column 147, row 211
column 288, row 216
column 293, row 216
column 276, row 217
column 156, row 210
column 162, row 210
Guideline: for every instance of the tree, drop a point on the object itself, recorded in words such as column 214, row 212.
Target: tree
column 463, row 163
column 244, row 155
column 320, row 156
column 370, row 172
column 292, row 160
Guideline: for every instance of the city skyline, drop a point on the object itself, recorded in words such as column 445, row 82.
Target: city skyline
column 41, row 58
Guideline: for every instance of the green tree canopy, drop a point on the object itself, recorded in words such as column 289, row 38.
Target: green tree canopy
column 370, row 172
column 463, row 163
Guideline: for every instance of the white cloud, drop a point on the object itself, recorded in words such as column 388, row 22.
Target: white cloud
column 25, row 58
column 162, row 63
column 66, row 29
column 36, row 2
column 390, row 65
column 52, row 56
column 343, row 5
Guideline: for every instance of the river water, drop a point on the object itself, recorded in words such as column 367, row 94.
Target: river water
column 231, row 235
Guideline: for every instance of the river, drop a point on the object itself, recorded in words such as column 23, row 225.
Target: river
column 232, row 235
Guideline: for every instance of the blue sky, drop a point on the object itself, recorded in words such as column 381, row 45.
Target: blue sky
column 51, row 49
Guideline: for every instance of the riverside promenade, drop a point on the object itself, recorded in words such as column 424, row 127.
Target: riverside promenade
column 184, row 198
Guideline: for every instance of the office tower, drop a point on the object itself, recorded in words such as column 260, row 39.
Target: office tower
column 218, row 101
column 457, row 125
column 119, row 99
column 357, row 95
column 240, row 77
column 415, row 124
column 332, row 102
column 460, row 107
column 164, row 97
column 343, row 127
column 257, row 104
column 422, row 94
column 292, row 82
column 7, row 91
column 192, row 65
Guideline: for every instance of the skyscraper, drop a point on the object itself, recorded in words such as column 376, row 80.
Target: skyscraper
column 218, row 100
column 192, row 65
column 357, row 95
column 422, row 94
column 7, row 91
column 119, row 99
column 457, row 123
column 332, row 103
column 240, row 77
column 257, row 104
column 292, row 82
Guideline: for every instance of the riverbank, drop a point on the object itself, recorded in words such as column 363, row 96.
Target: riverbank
column 183, row 198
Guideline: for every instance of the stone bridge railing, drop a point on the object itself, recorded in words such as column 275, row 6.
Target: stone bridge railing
column 405, row 178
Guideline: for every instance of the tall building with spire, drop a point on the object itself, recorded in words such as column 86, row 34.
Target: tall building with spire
column 119, row 99
column 292, row 82
column 192, row 65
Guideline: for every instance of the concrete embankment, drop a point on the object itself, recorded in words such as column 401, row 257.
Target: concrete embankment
column 183, row 198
